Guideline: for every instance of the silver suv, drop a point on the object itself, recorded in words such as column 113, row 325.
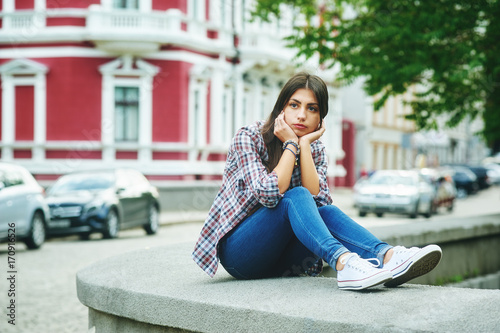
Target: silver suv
column 23, row 210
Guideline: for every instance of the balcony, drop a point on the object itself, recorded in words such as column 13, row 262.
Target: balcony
column 117, row 31
column 132, row 31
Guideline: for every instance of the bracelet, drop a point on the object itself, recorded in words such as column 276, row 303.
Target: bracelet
column 293, row 143
column 296, row 158
column 294, row 155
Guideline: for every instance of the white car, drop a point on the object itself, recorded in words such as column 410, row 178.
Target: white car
column 394, row 191
column 23, row 210
column 493, row 172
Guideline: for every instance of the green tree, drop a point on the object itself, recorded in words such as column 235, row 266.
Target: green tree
column 450, row 48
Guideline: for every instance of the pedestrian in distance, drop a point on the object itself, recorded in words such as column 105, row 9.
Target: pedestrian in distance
column 273, row 215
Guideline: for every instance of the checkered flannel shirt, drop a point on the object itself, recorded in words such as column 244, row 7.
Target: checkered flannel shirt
column 247, row 184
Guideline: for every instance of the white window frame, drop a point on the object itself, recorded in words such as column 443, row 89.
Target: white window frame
column 34, row 74
column 120, row 83
column 119, row 73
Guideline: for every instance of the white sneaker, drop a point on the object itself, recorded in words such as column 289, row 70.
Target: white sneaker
column 407, row 264
column 359, row 273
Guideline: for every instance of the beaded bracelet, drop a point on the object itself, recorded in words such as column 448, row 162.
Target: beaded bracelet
column 293, row 143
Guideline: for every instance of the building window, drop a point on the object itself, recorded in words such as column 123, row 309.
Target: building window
column 126, row 4
column 126, row 114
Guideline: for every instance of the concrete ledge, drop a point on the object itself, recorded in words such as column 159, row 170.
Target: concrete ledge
column 440, row 231
column 187, row 196
column 162, row 290
column 471, row 245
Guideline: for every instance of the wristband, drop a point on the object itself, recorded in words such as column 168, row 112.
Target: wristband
column 295, row 155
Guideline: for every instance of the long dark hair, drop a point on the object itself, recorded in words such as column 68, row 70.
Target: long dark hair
column 298, row 81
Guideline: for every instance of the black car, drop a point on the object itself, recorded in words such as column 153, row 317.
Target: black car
column 479, row 171
column 103, row 201
column 481, row 174
column 465, row 180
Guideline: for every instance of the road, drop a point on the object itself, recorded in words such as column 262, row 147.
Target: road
column 45, row 284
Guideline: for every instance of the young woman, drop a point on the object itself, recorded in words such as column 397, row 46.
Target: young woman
column 273, row 215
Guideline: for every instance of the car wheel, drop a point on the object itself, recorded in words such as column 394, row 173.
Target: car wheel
column 153, row 221
column 379, row 214
column 84, row 236
column 112, row 225
column 37, row 233
column 429, row 211
column 414, row 214
column 362, row 213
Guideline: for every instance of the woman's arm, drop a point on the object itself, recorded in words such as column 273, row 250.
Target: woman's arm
column 285, row 166
column 309, row 174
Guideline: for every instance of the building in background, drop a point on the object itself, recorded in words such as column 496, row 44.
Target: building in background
column 157, row 85
column 385, row 140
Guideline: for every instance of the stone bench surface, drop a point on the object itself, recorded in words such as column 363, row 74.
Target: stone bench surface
column 164, row 287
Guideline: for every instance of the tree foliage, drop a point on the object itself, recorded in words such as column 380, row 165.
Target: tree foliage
column 450, row 49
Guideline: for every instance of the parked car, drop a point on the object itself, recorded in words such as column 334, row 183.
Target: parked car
column 493, row 171
column 23, row 210
column 465, row 180
column 482, row 175
column 480, row 171
column 395, row 191
column 103, row 201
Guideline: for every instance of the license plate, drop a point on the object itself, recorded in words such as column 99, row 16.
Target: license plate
column 60, row 223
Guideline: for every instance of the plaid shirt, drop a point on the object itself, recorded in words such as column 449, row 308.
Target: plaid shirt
column 246, row 185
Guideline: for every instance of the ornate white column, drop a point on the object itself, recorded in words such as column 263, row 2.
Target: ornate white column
column 8, row 118
column 107, row 118
column 216, row 101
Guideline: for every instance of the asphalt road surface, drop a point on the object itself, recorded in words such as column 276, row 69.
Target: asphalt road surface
column 45, row 284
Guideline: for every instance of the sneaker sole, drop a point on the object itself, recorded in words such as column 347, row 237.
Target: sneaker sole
column 419, row 267
column 373, row 281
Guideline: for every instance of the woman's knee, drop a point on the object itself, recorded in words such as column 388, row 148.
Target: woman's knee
column 298, row 191
column 330, row 210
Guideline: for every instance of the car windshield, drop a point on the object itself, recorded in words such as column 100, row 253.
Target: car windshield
column 391, row 179
column 83, row 182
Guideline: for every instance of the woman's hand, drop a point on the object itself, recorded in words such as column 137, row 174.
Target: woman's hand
column 282, row 130
column 313, row 136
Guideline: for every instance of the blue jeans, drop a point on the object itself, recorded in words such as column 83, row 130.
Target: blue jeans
column 288, row 239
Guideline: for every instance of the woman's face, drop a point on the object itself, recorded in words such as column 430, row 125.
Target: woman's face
column 302, row 112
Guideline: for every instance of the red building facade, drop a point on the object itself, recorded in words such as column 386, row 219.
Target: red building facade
column 157, row 85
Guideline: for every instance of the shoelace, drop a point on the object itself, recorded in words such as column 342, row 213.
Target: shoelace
column 402, row 249
column 360, row 263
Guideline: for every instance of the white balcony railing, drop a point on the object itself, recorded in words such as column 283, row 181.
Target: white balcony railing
column 108, row 26
column 171, row 26
column 23, row 21
column 132, row 21
column 160, row 27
